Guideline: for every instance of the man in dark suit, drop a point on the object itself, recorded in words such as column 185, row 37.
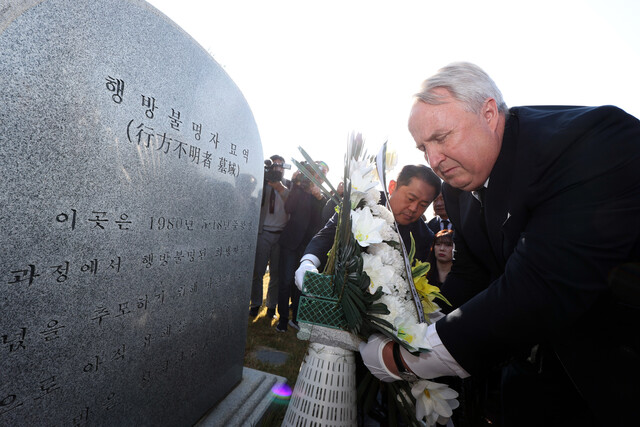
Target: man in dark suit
column 528, row 189
column 441, row 220
column 409, row 197
column 304, row 206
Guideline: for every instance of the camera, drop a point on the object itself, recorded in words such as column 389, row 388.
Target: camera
column 300, row 178
column 272, row 175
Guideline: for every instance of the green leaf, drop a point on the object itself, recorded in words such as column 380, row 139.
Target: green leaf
column 412, row 252
column 420, row 269
column 442, row 298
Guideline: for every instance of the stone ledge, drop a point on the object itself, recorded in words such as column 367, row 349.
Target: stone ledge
column 246, row 404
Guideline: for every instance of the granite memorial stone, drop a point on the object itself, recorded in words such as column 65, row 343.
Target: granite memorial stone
column 129, row 211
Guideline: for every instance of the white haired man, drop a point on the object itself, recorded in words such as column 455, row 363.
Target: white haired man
column 527, row 190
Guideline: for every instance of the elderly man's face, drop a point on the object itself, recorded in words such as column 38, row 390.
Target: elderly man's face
column 460, row 146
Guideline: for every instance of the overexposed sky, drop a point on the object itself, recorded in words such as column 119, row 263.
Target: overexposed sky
column 312, row 71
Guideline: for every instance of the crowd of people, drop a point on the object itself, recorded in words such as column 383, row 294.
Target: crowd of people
column 291, row 213
column 297, row 227
column 545, row 298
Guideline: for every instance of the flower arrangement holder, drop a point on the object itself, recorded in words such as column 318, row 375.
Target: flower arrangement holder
column 325, row 392
column 319, row 304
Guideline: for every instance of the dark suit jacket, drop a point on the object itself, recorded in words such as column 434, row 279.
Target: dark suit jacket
column 304, row 218
column 532, row 264
column 422, row 235
column 434, row 224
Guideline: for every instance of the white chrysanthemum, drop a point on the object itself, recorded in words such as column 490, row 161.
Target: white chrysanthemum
column 365, row 228
column 398, row 285
column 379, row 274
column 434, row 402
column 393, row 305
column 389, row 233
column 372, row 197
column 388, row 254
column 384, row 213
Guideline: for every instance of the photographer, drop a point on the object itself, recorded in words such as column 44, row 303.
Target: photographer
column 304, row 207
column 273, row 218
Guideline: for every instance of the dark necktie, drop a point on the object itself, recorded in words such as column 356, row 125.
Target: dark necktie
column 479, row 193
column 272, row 201
column 445, row 224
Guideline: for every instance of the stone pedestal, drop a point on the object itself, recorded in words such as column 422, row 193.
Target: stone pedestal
column 248, row 401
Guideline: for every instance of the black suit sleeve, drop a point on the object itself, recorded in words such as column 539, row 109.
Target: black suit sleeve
column 468, row 276
column 322, row 241
column 575, row 181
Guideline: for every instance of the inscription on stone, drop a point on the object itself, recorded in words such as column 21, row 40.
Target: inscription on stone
column 128, row 216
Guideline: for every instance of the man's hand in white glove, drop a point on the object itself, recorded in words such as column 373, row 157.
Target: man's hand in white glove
column 307, row 263
column 436, row 363
column 372, row 356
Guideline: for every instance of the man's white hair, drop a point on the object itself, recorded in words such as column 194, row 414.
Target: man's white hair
column 466, row 82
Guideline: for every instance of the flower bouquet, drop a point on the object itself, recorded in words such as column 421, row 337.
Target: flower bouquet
column 372, row 284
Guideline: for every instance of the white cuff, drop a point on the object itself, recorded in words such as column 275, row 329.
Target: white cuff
column 436, row 363
column 311, row 257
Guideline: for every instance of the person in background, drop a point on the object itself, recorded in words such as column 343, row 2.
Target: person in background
column 273, row 218
column 526, row 189
column 409, row 197
column 323, row 167
column 441, row 220
column 304, row 206
column 440, row 257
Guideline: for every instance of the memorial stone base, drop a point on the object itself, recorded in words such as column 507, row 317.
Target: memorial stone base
column 247, row 403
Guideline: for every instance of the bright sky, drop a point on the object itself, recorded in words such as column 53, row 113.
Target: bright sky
column 312, row 71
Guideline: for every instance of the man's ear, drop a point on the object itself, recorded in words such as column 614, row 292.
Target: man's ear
column 392, row 186
column 490, row 112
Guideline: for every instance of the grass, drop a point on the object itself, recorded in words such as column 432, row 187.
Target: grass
column 261, row 333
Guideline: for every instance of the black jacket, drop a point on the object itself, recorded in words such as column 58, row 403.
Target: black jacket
column 532, row 263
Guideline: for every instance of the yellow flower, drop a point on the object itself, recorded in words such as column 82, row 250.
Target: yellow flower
column 427, row 294
column 424, row 288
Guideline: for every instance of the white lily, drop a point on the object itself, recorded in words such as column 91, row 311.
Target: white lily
column 434, row 402
column 414, row 334
column 362, row 176
column 365, row 228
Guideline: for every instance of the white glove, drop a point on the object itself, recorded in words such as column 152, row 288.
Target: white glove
column 436, row 315
column 371, row 353
column 436, row 363
column 306, row 264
